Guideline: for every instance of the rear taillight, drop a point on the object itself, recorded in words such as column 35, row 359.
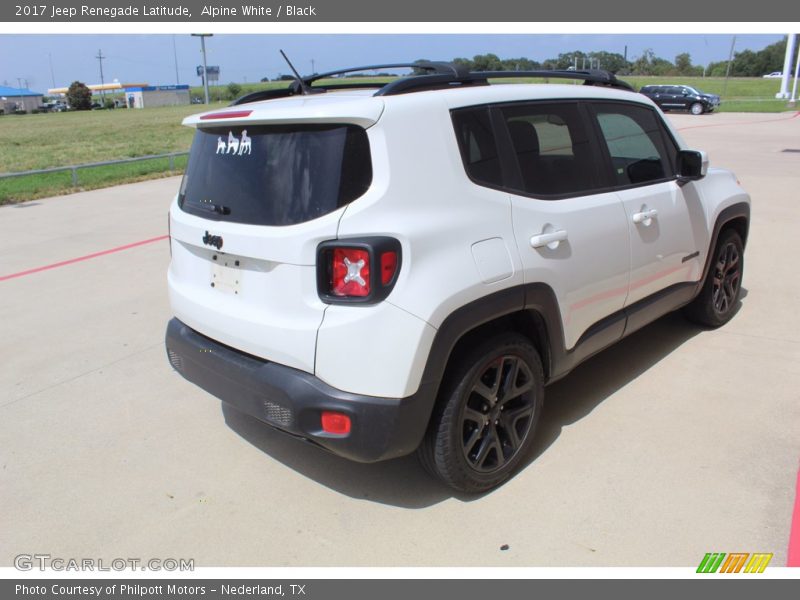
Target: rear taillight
column 360, row 270
column 350, row 272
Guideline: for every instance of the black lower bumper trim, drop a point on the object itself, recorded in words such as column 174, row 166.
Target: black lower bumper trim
column 293, row 400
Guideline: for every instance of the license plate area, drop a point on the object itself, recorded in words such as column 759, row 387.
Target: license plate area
column 226, row 274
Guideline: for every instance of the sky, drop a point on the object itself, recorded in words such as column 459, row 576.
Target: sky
column 47, row 61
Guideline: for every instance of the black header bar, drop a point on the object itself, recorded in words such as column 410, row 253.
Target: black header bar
column 438, row 11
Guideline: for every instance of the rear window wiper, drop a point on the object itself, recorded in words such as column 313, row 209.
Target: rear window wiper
column 210, row 207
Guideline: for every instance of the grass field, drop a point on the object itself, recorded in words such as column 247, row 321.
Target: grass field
column 45, row 140
column 60, row 139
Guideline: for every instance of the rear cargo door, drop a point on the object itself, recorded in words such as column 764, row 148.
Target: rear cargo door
column 255, row 202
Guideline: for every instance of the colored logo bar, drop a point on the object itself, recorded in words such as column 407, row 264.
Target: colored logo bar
column 735, row 562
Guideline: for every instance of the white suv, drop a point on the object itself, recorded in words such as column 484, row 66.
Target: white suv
column 381, row 269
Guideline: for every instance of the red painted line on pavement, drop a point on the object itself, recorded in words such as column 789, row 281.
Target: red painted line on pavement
column 794, row 116
column 82, row 258
column 793, row 555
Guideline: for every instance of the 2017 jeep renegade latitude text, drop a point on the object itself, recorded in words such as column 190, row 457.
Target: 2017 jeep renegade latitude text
column 405, row 266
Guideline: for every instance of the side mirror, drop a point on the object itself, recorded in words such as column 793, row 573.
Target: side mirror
column 692, row 165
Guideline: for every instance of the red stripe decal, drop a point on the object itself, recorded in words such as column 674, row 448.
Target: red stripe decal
column 82, row 258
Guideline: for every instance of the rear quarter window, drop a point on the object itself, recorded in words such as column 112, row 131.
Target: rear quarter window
column 478, row 146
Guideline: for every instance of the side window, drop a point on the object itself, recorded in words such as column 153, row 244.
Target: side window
column 636, row 143
column 552, row 149
column 478, row 146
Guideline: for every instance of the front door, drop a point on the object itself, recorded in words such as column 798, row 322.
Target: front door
column 664, row 223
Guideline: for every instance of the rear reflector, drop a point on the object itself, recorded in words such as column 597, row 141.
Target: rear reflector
column 388, row 266
column 334, row 422
column 234, row 114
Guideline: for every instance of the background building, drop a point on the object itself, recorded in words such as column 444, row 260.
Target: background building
column 12, row 99
column 156, row 95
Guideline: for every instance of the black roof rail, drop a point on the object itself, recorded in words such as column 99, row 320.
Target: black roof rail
column 423, row 82
column 444, row 68
column 424, row 65
column 437, row 75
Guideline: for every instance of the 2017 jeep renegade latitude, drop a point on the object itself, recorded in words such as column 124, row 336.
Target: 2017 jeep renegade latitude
column 384, row 269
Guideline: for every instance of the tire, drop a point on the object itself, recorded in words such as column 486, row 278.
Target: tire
column 500, row 380
column 696, row 108
column 718, row 299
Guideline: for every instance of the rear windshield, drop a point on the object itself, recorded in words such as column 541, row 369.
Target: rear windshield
column 275, row 175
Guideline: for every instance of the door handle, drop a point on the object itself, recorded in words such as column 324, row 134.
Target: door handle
column 551, row 240
column 645, row 217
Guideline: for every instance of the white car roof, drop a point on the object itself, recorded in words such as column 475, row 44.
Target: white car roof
column 362, row 107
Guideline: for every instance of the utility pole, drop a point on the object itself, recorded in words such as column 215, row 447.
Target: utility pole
column 52, row 74
column 175, row 55
column 728, row 70
column 100, row 57
column 312, row 66
column 203, row 37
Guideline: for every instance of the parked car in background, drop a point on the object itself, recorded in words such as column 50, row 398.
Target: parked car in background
column 681, row 97
column 56, row 106
column 774, row 75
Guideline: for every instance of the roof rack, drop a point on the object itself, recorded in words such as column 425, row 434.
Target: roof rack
column 295, row 88
column 438, row 75
column 439, row 80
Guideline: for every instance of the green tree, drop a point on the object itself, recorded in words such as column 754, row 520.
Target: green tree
column 566, row 60
column 487, row 62
column 683, row 63
column 234, row 90
column 520, row 64
column 749, row 63
column 610, row 61
column 79, row 96
column 465, row 62
column 650, row 64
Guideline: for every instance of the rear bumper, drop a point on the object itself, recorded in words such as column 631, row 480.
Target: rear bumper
column 292, row 400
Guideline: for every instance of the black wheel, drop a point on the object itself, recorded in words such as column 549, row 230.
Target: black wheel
column 486, row 416
column 717, row 301
column 696, row 108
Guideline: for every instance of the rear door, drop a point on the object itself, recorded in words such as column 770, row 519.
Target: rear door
column 570, row 235
column 255, row 202
column 675, row 98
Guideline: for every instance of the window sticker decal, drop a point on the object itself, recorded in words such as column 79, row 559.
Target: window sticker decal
column 234, row 145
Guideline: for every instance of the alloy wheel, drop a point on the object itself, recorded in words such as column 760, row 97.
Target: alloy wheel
column 498, row 413
column 727, row 277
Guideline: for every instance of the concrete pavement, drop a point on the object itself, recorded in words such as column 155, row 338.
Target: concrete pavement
column 674, row 443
